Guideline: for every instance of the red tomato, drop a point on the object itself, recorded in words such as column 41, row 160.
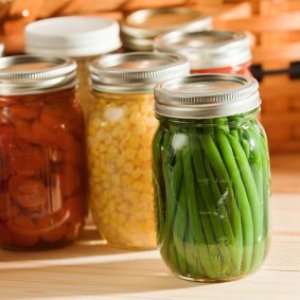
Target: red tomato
column 30, row 193
column 8, row 209
column 26, row 159
column 70, row 180
column 5, row 236
column 53, row 227
column 24, row 231
column 27, row 111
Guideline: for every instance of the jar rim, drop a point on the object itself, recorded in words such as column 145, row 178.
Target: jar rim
column 136, row 26
column 135, row 72
column 30, row 74
column 206, row 96
column 207, row 49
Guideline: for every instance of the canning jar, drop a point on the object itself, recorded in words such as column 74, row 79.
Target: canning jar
column 139, row 28
column 80, row 37
column 120, row 131
column 42, row 151
column 209, row 51
column 211, row 177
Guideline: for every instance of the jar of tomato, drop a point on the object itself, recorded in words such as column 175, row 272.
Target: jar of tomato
column 209, row 51
column 42, row 153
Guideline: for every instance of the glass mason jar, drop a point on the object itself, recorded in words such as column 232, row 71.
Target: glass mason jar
column 211, row 177
column 209, row 51
column 42, row 152
column 139, row 28
column 80, row 37
column 120, row 132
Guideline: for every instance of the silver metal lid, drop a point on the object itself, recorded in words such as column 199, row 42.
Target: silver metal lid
column 206, row 96
column 207, row 49
column 135, row 72
column 146, row 24
column 26, row 74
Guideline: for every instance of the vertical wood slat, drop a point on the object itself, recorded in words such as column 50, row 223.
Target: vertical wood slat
column 276, row 25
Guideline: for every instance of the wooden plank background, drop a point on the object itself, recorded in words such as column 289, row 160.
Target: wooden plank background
column 274, row 24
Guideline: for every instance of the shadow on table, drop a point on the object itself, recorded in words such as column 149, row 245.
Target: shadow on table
column 89, row 245
column 90, row 280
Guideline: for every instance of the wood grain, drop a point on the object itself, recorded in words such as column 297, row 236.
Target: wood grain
column 91, row 270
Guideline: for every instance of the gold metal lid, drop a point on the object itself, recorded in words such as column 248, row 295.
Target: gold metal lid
column 146, row 24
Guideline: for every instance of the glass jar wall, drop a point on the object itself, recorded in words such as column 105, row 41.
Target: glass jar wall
column 209, row 51
column 120, row 131
column 212, row 178
column 43, row 171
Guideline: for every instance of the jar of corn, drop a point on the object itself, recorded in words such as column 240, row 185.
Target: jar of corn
column 120, row 131
column 82, row 38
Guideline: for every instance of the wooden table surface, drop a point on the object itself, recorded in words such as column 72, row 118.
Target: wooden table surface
column 91, row 270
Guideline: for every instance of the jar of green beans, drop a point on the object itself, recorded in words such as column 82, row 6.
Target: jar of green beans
column 211, row 177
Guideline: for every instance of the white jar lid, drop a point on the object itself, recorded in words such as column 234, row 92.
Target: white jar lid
column 74, row 36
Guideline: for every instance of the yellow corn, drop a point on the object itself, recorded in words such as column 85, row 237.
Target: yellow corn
column 120, row 131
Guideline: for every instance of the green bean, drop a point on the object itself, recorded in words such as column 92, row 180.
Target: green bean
column 192, row 249
column 253, row 198
column 180, row 228
column 266, row 181
column 245, row 143
column 208, row 260
column 212, row 183
column 224, row 218
column 209, row 207
column 255, row 159
column 157, row 181
column 170, row 206
column 215, row 160
column 240, row 195
column 256, row 165
column 173, row 262
column 236, row 129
